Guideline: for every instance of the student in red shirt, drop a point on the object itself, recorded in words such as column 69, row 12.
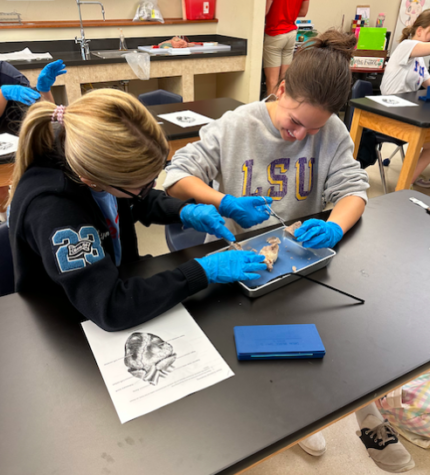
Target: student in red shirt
column 280, row 37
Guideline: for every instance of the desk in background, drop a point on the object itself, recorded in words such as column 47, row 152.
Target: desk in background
column 410, row 124
column 57, row 417
column 177, row 136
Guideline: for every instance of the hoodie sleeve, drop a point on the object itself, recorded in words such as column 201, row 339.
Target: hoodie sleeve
column 345, row 177
column 159, row 208
column 201, row 159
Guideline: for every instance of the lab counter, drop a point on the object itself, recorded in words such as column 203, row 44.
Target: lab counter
column 174, row 73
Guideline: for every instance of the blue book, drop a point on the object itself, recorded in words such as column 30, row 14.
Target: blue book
column 273, row 342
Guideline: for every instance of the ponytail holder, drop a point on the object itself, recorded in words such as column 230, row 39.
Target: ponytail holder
column 58, row 114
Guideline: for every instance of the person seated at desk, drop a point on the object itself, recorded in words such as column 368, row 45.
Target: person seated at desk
column 296, row 151
column 72, row 220
column 15, row 91
column 406, row 71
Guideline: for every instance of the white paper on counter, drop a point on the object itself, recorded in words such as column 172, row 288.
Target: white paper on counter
column 392, row 101
column 25, row 54
column 170, row 358
column 186, row 118
column 8, row 144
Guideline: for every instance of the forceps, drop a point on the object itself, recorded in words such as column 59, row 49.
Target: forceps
column 269, row 211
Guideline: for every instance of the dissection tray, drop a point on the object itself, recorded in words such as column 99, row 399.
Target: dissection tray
column 292, row 258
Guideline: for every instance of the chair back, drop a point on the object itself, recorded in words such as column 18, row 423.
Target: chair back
column 359, row 89
column 178, row 238
column 158, row 97
column 7, row 285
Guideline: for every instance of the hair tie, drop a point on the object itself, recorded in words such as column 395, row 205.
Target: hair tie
column 58, row 114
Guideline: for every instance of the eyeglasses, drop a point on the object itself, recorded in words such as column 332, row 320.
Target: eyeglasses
column 142, row 193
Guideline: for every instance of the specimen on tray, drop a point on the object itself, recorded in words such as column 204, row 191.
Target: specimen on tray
column 290, row 229
column 270, row 252
column 235, row 246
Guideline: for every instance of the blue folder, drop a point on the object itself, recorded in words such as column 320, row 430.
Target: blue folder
column 273, row 342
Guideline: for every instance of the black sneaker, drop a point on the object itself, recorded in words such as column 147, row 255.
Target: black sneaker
column 383, row 445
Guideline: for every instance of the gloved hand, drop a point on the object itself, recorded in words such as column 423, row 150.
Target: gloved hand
column 317, row 234
column 247, row 211
column 205, row 218
column 18, row 93
column 49, row 74
column 230, row 266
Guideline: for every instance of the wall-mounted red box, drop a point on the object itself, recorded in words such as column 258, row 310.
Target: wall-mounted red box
column 200, row 9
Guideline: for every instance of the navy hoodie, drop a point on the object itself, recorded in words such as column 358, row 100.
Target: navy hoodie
column 60, row 239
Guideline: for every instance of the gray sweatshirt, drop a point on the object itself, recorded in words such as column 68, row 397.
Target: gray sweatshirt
column 246, row 156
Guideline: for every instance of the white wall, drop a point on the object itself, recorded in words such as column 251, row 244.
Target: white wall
column 42, row 10
column 243, row 19
column 61, row 10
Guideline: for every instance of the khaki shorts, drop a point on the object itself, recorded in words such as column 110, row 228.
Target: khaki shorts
column 278, row 50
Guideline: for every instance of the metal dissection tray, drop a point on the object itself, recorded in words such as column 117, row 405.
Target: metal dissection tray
column 291, row 254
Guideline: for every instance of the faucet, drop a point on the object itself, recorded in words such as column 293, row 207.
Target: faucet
column 84, row 43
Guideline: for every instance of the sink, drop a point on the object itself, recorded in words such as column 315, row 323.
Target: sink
column 113, row 53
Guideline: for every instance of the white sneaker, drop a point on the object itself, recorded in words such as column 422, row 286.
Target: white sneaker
column 383, row 446
column 422, row 182
column 314, row 445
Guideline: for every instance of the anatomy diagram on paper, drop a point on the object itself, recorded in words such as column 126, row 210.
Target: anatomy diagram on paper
column 156, row 363
column 148, row 357
column 5, row 146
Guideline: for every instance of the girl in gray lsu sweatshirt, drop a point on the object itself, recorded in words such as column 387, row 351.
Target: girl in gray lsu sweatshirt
column 294, row 150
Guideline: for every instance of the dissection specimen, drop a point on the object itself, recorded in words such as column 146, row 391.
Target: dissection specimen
column 289, row 230
column 270, row 252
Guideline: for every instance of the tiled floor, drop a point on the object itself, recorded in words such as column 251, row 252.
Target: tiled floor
column 345, row 452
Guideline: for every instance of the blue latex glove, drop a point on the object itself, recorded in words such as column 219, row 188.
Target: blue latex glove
column 247, row 211
column 18, row 93
column 49, row 74
column 205, row 218
column 231, row 266
column 317, row 234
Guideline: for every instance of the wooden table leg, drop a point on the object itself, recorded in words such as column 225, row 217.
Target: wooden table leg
column 415, row 145
column 356, row 131
column 6, row 171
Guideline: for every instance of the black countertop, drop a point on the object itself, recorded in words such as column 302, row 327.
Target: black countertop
column 70, row 53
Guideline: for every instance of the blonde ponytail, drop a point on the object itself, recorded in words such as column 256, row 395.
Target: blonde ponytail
column 108, row 137
column 36, row 137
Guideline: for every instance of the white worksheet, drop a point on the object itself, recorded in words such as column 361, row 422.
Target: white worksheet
column 186, row 118
column 8, row 144
column 156, row 363
column 392, row 101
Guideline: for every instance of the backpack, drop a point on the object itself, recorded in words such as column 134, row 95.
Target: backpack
column 407, row 409
column 367, row 151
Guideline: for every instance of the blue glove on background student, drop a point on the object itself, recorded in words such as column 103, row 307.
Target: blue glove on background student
column 247, row 211
column 49, row 74
column 205, row 218
column 317, row 234
column 18, row 93
column 231, row 266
